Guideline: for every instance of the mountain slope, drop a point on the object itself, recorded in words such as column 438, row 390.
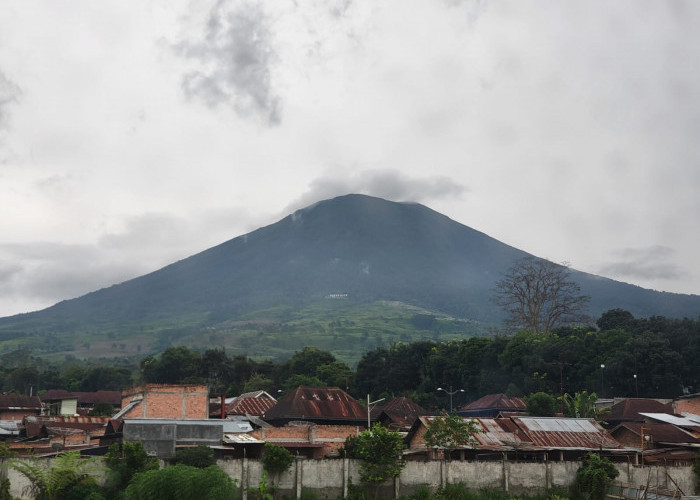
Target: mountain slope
column 365, row 247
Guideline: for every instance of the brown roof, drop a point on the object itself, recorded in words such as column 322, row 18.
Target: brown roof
column 496, row 402
column 94, row 425
column 20, row 402
column 658, row 432
column 401, row 412
column 561, row 433
column 250, row 406
column 317, row 403
column 111, row 397
column 628, row 410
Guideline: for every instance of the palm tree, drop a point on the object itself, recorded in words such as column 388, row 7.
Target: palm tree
column 52, row 483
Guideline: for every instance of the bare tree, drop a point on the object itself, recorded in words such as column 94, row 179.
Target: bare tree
column 539, row 296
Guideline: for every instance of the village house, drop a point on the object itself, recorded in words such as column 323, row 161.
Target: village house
column 45, row 434
column 13, row 407
column 631, row 409
column 399, row 414
column 313, row 421
column 519, row 438
column 65, row 403
column 492, row 406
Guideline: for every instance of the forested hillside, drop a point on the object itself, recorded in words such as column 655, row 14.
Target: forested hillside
column 664, row 354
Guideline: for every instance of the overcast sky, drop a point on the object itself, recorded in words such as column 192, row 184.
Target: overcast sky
column 136, row 133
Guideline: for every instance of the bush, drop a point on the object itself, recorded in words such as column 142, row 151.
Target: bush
column 182, row 482
column 199, row 456
column 594, row 476
column 5, row 490
column 456, row 491
column 276, row 459
column 124, row 463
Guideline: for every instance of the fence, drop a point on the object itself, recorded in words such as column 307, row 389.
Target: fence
column 331, row 478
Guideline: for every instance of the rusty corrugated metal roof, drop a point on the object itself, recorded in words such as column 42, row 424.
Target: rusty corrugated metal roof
column 496, row 402
column 95, row 425
column 501, row 433
column 331, row 403
column 496, row 433
column 562, row 433
column 401, row 412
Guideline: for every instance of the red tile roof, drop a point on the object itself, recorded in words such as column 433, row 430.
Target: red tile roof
column 250, row 406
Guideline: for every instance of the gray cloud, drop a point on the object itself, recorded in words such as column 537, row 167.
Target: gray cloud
column 384, row 183
column 236, row 56
column 54, row 271
column 653, row 262
column 43, row 273
column 9, row 93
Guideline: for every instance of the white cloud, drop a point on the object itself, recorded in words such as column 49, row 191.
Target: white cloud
column 143, row 132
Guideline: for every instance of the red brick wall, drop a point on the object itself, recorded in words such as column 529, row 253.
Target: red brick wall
column 687, row 405
column 332, row 437
column 168, row 401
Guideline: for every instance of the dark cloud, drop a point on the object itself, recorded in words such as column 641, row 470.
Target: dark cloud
column 653, row 262
column 386, row 183
column 236, row 56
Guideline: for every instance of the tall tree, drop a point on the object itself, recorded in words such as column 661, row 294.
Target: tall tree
column 380, row 452
column 538, row 296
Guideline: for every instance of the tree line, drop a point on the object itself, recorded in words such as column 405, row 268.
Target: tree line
column 620, row 356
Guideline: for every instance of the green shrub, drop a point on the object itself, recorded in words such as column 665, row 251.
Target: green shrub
column 276, row 459
column 594, row 476
column 199, row 456
column 5, row 490
column 182, row 482
column 455, row 491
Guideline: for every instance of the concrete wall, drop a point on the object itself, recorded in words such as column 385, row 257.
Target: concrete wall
column 159, row 436
column 330, row 478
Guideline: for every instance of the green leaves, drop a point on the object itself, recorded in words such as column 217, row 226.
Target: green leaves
column 55, row 481
column 276, row 459
column 182, row 482
column 380, row 452
column 451, row 431
column 594, row 476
